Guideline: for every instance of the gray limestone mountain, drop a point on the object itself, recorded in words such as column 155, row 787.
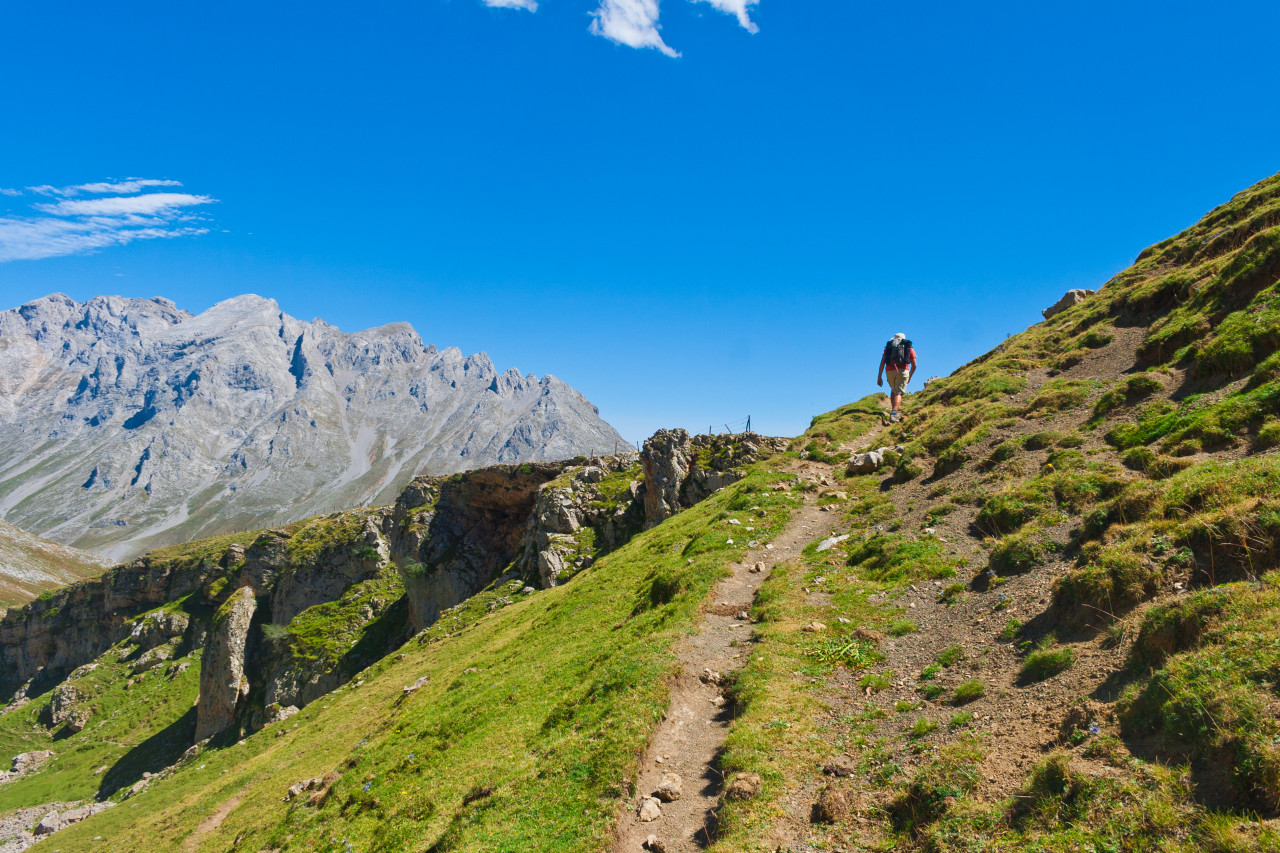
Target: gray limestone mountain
column 127, row 424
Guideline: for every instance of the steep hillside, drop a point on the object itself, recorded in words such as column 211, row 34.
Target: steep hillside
column 128, row 424
column 30, row 565
column 1043, row 613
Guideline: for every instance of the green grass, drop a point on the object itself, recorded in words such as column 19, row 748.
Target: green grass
column 921, row 728
column 1046, row 662
column 967, row 691
column 1214, row 692
column 893, row 558
column 566, row 687
column 901, row 627
column 135, row 727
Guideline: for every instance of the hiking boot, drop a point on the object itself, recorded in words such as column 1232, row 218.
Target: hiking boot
column 894, row 417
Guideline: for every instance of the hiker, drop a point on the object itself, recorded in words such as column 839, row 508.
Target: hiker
column 898, row 363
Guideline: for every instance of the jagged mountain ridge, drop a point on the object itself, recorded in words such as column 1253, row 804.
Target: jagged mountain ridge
column 127, row 424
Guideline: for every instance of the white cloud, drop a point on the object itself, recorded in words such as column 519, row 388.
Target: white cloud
column 630, row 22
column 738, row 8
column 128, row 185
column 4, row 191
column 531, row 5
column 148, row 204
column 75, row 226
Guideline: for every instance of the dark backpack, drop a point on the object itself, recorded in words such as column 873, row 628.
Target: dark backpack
column 897, row 352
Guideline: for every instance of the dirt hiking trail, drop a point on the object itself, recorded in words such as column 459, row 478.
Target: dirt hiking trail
column 688, row 740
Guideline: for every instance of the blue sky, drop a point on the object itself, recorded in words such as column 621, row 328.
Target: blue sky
column 687, row 220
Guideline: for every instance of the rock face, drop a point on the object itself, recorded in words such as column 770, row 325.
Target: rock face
column 1070, row 298
column 153, row 426
column 223, row 685
column 574, row 522
column 680, row 471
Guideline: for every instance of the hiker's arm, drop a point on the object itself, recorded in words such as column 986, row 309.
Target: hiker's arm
column 912, row 374
column 880, row 371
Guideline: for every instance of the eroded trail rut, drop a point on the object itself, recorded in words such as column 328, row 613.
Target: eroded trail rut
column 691, row 735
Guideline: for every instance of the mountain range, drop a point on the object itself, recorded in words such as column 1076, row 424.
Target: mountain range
column 127, row 424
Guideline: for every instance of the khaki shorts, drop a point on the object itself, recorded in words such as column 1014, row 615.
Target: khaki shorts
column 897, row 380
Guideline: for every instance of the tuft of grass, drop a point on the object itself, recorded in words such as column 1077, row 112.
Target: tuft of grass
column 921, row 728
column 874, row 683
column 951, row 655
column 967, row 691
column 1046, row 662
column 902, row 627
column 960, row 720
column 952, row 594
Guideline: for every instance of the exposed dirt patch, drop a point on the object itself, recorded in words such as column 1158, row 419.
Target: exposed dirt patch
column 210, row 824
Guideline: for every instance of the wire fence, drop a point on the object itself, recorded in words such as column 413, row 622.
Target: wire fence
column 741, row 426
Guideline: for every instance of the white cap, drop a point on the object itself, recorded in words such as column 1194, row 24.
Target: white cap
column 902, row 335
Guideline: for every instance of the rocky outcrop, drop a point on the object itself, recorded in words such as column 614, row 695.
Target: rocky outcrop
column 581, row 516
column 680, row 471
column 452, row 536
column 1069, row 299
column 223, row 685
column 24, row 763
column 154, row 426
column 66, row 708
column 156, row 629
column 53, row 635
column 330, row 573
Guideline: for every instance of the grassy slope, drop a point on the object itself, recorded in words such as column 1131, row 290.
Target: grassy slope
column 1166, row 478
column 523, row 737
column 30, row 565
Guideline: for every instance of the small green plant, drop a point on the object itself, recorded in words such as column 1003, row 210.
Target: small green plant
column 1011, row 630
column 960, row 720
column 873, row 683
column 968, row 691
column 855, row 654
column 902, row 627
column 932, row 691
column 952, row 594
column 921, row 727
column 951, row 655
column 904, row 707
column 930, row 672
column 1046, row 662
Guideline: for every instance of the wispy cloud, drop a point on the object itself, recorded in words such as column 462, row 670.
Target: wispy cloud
column 630, row 22
column 738, row 8
column 531, row 5
column 77, row 225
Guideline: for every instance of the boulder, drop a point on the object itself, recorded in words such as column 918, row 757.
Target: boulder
column 1069, row 299
column 670, row 788
column 743, row 787
column 223, row 685
column 865, row 463
column 155, row 629
column 833, row 805
column 650, row 810
column 65, row 709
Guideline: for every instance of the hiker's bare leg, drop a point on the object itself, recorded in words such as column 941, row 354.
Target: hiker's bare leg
column 895, row 400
